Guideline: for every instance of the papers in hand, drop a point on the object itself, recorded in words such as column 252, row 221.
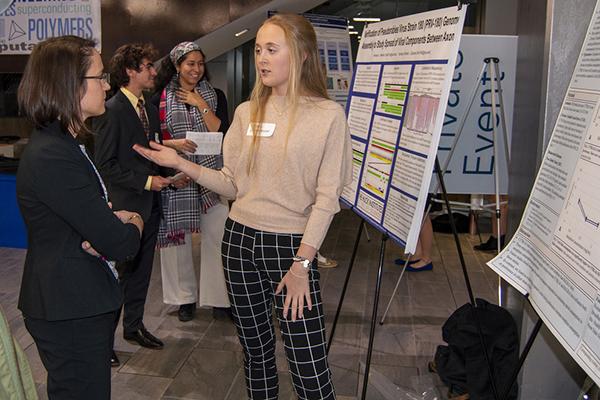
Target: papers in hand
column 209, row 143
column 176, row 177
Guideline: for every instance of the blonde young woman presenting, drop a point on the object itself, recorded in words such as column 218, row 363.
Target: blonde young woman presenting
column 287, row 157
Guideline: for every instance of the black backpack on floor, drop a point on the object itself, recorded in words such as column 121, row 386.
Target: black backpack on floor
column 461, row 364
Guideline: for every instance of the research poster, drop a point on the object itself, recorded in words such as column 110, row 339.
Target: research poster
column 396, row 111
column 333, row 41
column 471, row 168
column 554, row 256
column 24, row 23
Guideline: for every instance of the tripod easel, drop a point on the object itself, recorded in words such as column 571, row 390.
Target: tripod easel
column 491, row 65
column 494, row 74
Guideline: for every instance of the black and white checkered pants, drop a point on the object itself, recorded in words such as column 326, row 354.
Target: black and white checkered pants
column 255, row 262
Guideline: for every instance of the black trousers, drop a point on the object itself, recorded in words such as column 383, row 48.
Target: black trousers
column 255, row 262
column 76, row 354
column 134, row 275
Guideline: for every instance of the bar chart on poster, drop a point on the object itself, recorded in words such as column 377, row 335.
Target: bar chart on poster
column 554, row 256
column 396, row 110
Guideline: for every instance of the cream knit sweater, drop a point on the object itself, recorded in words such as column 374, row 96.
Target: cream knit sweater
column 293, row 191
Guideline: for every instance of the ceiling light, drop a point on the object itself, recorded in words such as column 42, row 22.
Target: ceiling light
column 350, row 26
column 365, row 19
column 353, row 32
column 240, row 33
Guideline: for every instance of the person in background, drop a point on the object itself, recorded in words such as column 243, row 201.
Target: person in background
column 188, row 102
column 69, row 295
column 421, row 260
column 287, row 157
column 491, row 245
column 132, row 181
column 325, row 262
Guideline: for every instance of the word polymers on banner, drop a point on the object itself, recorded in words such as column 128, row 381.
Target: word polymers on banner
column 25, row 23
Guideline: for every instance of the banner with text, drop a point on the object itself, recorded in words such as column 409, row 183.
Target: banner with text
column 396, row 110
column 23, row 23
column 555, row 253
column 471, row 169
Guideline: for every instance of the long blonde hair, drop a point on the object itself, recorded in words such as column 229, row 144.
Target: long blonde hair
column 306, row 76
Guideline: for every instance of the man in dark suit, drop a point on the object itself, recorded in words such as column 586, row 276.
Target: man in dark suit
column 133, row 182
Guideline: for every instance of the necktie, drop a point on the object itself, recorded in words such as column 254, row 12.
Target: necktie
column 143, row 118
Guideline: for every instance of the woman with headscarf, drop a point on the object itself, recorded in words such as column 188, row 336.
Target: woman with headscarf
column 188, row 102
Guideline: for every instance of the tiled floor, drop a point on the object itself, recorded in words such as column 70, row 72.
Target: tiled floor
column 202, row 358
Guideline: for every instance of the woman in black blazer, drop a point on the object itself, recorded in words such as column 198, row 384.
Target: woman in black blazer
column 69, row 293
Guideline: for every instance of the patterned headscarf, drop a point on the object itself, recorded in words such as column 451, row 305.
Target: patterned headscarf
column 181, row 50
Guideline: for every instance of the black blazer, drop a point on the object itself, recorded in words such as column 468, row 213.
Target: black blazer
column 61, row 200
column 122, row 168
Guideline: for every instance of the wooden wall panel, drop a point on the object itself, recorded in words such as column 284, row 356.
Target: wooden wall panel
column 162, row 22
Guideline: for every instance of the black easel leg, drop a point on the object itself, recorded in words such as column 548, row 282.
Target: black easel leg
column 467, row 280
column 339, row 308
column 454, row 231
column 526, row 349
column 374, row 318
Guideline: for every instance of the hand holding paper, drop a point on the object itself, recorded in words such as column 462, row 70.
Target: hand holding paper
column 208, row 143
column 176, row 177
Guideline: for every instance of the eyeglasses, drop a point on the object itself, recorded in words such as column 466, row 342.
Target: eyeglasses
column 147, row 66
column 105, row 77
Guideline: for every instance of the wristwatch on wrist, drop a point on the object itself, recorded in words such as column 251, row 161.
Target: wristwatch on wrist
column 204, row 110
column 305, row 262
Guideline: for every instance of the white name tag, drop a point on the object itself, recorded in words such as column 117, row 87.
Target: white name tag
column 266, row 129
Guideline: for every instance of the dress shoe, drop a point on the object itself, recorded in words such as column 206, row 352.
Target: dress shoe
column 186, row 312
column 402, row 261
column 144, row 339
column 324, row 262
column 114, row 360
column 426, row 267
column 222, row 313
column 491, row 245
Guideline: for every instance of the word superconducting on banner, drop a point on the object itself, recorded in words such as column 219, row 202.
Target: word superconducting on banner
column 24, row 23
column 395, row 112
column 555, row 254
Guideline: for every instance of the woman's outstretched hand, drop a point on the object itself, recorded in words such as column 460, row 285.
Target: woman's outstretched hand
column 181, row 145
column 159, row 154
column 297, row 291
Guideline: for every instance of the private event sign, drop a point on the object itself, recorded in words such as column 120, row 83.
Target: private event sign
column 554, row 256
column 396, row 111
column 471, row 168
column 23, row 23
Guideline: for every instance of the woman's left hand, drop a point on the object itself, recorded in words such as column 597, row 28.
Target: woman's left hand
column 295, row 282
column 192, row 98
column 87, row 247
